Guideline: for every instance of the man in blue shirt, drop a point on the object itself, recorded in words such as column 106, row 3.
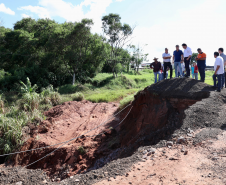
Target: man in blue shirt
column 178, row 59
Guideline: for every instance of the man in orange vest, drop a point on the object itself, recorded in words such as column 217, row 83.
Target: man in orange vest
column 201, row 63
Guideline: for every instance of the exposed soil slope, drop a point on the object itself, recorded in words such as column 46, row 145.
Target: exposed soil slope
column 158, row 104
column 64, row 122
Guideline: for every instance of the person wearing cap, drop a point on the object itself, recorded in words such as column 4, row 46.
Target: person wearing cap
column 221, row 51
column 187, row 58
column 178, row 59
column 156, row 66
column 201, row 63
column 219, row 70
column 167, row 63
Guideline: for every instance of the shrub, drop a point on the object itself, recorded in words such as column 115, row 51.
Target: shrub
column 48, row 96
column 46, row 91
column 77, row 96
column 29, row 101
column 27, row 88
column 55, row 98
column 70, row 89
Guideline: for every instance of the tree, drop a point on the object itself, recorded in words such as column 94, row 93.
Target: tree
column 118, row 36
column 79, row 41
column 126, row 59
column 194, row 55
column 138, row 56
column 51, row 53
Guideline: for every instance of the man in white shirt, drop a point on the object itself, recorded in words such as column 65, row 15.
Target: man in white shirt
column 187, row 59
column 167, row 63
column 219, row 70
column 221, row 52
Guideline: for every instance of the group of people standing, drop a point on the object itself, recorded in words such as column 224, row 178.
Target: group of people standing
column 183, row 59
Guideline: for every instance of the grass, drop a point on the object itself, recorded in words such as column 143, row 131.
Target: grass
column 124, row 87
column 105, row 95
column 126, row 101
column 77, row 96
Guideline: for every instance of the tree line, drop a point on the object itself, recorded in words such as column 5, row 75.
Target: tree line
column 51, row 53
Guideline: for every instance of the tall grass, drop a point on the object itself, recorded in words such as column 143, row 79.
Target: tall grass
column 26, row 110
column 77, row 96
column 11, row 127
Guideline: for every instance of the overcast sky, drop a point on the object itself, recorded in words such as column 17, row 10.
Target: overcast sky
column 159, row 23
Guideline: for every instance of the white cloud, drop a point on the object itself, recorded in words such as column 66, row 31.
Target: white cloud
column 200, row 27
column 25, row 15
column 6, row 10
column 70, row 12
column 42, row 12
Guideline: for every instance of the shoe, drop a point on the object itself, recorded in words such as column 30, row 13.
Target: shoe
column 217, row 90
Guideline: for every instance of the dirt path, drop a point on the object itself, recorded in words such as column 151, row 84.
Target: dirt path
column 202, row 165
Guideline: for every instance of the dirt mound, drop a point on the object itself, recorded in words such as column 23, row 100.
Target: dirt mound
column 160, row 106
column 64, row 122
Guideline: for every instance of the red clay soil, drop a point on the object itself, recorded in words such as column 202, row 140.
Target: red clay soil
column 63, row 123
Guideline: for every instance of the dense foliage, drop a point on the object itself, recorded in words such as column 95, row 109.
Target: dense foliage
column 51, row 53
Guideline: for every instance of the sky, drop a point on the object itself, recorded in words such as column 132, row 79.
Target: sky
column 159, row 24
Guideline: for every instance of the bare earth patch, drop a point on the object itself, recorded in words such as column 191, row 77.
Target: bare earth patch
column 204, row 164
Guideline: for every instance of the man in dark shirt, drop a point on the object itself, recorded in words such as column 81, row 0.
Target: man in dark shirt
column 156, row 66
column 177, row 59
